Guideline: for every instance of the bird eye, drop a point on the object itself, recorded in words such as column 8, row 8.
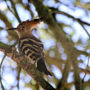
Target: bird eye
column 23, row 28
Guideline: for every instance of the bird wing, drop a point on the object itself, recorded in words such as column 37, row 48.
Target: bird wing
column 32, row 48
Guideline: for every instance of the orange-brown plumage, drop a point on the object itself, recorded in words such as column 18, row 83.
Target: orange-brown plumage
column 26, row 27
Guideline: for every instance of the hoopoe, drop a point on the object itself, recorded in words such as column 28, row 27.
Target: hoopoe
column 30, row 46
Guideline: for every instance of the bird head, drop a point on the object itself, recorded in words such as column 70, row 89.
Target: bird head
column 25, row 28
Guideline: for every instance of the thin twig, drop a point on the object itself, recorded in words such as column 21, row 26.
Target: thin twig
column 60, row 12
column 85, row 29
column 18, row 76
column 83, row 83
column 85, row 72
column 0, row 71
column 16, row 14
column 80, row 21
column 8, row 7
column 2, row 60
column 61, row 83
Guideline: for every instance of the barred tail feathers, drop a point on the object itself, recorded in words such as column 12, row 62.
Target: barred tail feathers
column 42, row 67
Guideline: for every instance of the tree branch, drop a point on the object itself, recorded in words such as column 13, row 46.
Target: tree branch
column 77, row 19
column 29, row 68
column 60, row 12
column 61, row 37
column 16, row 14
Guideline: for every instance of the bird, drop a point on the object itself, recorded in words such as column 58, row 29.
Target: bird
column 30, row 46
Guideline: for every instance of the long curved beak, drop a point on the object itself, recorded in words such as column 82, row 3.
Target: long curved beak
column 12, row 29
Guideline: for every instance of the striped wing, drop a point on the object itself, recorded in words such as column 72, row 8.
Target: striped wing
column 32, row 48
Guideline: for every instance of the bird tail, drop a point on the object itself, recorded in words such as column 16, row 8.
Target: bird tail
column 42, row 67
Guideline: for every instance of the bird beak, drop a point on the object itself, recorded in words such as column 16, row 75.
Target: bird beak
column 12, row 29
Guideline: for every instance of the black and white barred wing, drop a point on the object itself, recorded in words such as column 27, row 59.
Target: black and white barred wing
column 32, row 48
